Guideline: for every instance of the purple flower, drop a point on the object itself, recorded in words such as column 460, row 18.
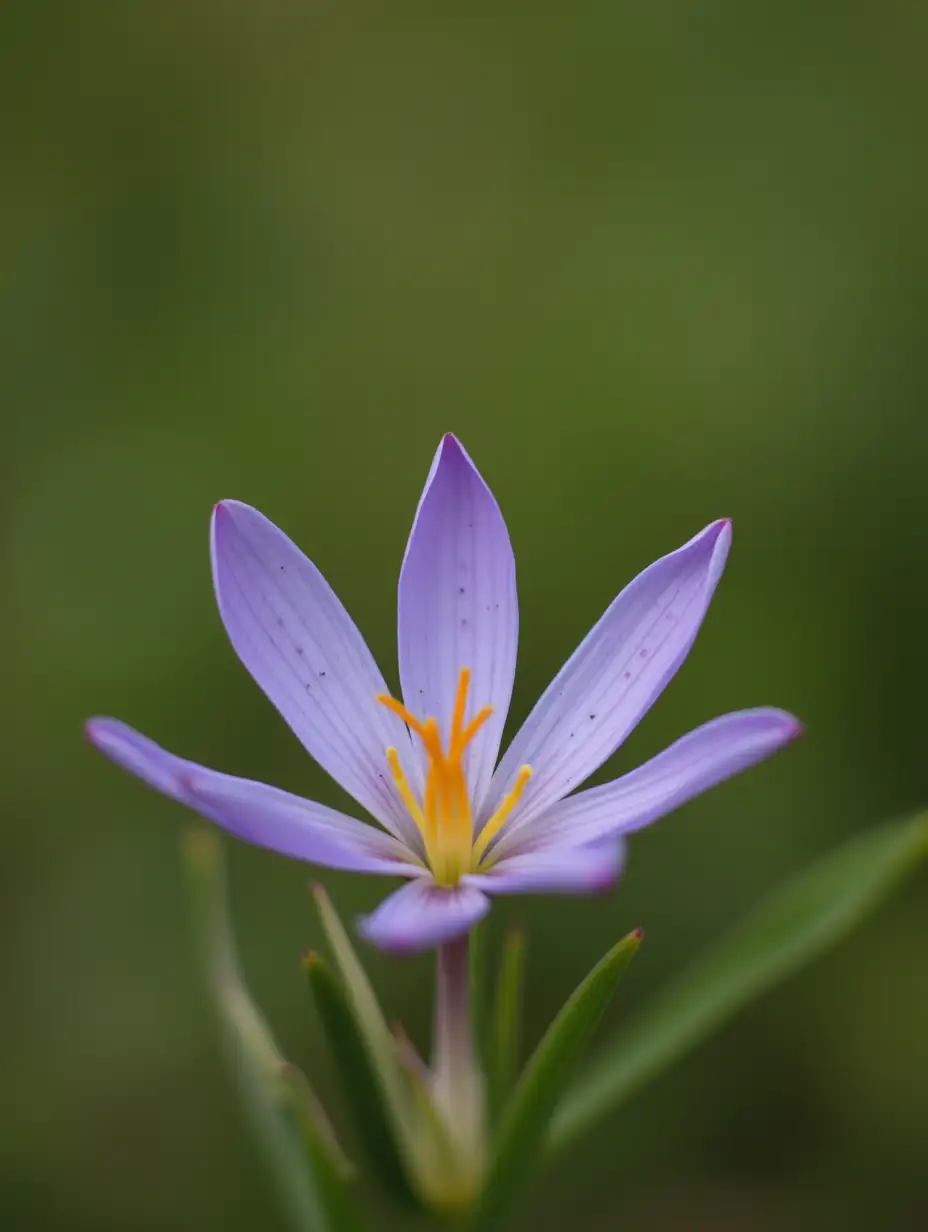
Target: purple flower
column 458, row 826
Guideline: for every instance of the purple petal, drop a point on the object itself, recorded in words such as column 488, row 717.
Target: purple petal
column 301, row 646
column 253, row 811
column 458, row 607
column 698, row 761
column 422, row 915
column 573, row 870
column 614, row 675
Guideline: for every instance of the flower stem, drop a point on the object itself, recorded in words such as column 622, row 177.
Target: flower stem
column 459, row 1086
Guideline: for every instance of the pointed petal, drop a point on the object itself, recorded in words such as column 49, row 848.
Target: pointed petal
column 458, row 606
column 614, row 676
column 693, row 764
column 422, row 915
column 573, row 870
column 292, row 633
column 253, row 811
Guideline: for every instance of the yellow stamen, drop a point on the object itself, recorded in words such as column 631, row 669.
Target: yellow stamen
column 460, row 702
column 398, row 708
column 432, row 740
column 502, row 814
column 444, row 818
column 431, row 824
column 474, row 726
column 406, row 792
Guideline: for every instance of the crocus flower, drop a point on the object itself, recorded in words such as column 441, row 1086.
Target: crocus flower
column 456, row 825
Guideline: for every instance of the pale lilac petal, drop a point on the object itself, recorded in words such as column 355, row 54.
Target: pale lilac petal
column 253, row 811
column 422, row 915
column 696, row 762
column 573, row 870
column 614, row 675
column 458, row 607
column 301, row 646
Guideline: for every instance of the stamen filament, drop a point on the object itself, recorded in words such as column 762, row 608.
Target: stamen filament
column 460, row 702
column 399, row 709
column 406, row 793
column 431, row 814
column 432, row 741
column 501, row 816
column 472, row 728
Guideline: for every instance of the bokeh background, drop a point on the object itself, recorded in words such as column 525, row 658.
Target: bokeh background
column 654, row 264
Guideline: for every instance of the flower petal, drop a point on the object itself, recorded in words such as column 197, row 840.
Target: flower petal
column 614, row 675
column 303, row 649
column 422, row 915
column 573, row 870
column 458, row 606
column 696, row 762
column 253, row 811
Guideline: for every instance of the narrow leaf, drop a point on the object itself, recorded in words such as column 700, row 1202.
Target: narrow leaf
column 538, row 1090
column 333, row 1173
column 263, row 1075
column 812, row 912
column 506, row 1022
column 379, row 1044
column 357, row 1079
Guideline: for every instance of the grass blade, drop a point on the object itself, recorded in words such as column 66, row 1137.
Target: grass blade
column 811, row 913
column 282, row 1119
column 523, row 1130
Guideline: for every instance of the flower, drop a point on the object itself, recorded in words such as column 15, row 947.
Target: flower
column 458, row 826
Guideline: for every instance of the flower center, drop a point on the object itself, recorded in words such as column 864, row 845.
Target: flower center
column 444, row 817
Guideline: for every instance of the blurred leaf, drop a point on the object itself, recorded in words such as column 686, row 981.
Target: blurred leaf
column 285, row 1118
column 506, row 1023
column 357, row 1079
column 333, row 1172
column 812, row 912
column 374, row 1034
column 542, row 1082
column 439, row 1161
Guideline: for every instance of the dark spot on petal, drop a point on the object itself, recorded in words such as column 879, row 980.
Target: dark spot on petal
column 628, row 675
column 463, row 622
column 643, row 653
column 283, row 568
column 280, row 621
column 322, row 673
column 592, row 716
column 299, row 651
column 460, row 590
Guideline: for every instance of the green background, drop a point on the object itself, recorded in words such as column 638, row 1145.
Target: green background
column 654, row 264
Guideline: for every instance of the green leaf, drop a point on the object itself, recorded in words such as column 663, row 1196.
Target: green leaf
column 538, row 1090
column 811, row 913
column 357, row 1079
column 285, row 1118
column 333, row 1173
column 506, row 1022
column 379, row 1045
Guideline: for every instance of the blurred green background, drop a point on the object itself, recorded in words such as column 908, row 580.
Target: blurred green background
column 654, row 264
